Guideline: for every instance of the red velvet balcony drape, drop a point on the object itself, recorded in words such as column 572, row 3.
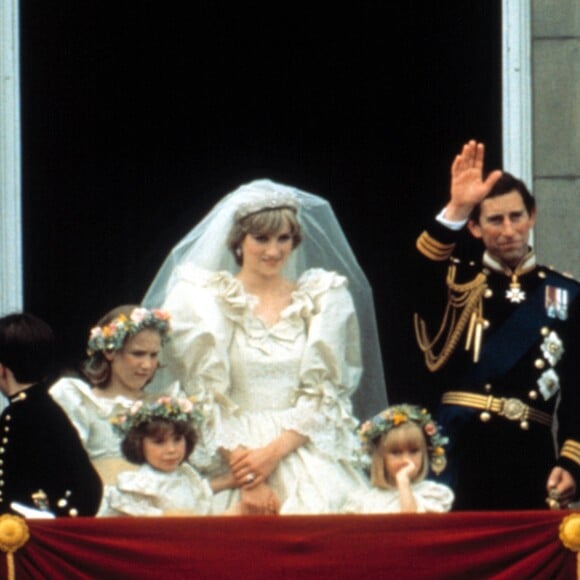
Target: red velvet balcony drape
column 469, row 545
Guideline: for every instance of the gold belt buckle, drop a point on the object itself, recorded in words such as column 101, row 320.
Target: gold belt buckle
column 513, row 409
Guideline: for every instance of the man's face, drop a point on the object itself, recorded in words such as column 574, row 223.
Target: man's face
column 504, row 227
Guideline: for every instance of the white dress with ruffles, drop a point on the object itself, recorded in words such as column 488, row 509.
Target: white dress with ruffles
column 90, row 415
column 431, row 497
column 149, row 492
column 256, row 381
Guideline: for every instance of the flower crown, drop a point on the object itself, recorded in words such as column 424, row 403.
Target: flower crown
column 165, row 407
column 273, row 200
column 396, row 415
column 112, row 335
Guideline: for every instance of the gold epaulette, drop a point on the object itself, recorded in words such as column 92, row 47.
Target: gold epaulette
column 434, row 249
column 464, row 310
column 571, row 450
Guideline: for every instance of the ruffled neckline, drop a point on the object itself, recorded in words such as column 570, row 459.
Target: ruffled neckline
column 105, row 405
column 238, row 305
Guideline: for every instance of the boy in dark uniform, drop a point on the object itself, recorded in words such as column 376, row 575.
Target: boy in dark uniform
column 505, row 352
column 43, row 465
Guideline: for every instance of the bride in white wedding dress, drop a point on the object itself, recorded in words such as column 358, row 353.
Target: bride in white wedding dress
column 270, row 343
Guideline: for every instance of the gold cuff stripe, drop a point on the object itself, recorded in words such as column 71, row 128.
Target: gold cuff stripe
column 511, row 409
column 571, row 450
column 433, row 249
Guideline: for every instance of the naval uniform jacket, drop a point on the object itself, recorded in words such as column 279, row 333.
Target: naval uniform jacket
column 42, row 461
column 530, row 352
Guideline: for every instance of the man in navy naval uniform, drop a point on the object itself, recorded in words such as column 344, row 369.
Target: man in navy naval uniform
column 503, row 348
column 44, row 468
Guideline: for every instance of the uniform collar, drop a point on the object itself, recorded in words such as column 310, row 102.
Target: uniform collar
column 527, row 264
column 24, row 394
column 19, row 397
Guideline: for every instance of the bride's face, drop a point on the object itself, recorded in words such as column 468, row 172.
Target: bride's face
column 266, row 254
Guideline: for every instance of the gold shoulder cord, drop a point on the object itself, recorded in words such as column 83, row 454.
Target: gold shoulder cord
column 464, row 309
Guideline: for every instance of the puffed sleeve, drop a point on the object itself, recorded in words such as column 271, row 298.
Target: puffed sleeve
column 125, row 503
column 433, row 497
column 197, row 352
column 146, row 492
column 67, row 392
column 331, row 366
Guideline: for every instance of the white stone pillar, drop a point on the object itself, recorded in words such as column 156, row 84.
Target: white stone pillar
column 517, row 89
column 11, row 297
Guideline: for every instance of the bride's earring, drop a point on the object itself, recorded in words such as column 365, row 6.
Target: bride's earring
column 238, row 252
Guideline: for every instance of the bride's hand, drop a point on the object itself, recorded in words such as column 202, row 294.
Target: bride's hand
column 252, row 467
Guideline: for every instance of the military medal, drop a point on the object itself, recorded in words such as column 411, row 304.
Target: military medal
column 515, row 294
column 556, row 302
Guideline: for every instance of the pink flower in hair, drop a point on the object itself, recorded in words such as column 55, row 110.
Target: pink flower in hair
column 138, row 315
column 160, row 314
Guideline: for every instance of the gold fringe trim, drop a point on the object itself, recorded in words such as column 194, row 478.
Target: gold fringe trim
column 434, row 249
column 464, row 310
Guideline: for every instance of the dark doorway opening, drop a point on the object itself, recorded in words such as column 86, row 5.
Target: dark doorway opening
column 137, row 118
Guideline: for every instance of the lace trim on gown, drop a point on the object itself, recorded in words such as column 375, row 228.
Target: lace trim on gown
column 320, row 408
column 148, row 492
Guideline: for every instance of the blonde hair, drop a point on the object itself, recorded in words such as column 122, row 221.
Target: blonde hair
column 408, row 432
column 264, row 222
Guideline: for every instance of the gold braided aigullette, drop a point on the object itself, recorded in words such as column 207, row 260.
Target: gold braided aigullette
column 464, row 310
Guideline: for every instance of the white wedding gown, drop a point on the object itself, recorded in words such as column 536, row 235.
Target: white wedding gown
column 255, row 381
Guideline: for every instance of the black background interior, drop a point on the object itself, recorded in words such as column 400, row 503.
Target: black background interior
column 138, row 117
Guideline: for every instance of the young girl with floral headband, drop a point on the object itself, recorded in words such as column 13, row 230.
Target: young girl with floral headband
column 402, row 442
column 123, row 355
column 159, row 436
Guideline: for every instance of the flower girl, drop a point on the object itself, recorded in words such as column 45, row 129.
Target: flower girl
column 123, row 353
column 160, row 436
column 402, row 442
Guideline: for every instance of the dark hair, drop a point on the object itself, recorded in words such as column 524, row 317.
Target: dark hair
column 506, row 184
column 27, row 347
column 132, row 444
column 96, row 368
